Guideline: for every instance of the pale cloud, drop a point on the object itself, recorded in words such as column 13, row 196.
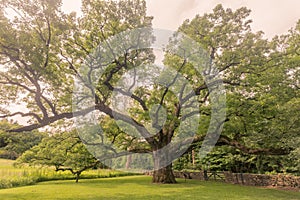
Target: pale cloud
column 169, row 14
column 71, row 5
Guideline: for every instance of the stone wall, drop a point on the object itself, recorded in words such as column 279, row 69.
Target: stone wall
column 262, row 180
column 245, row 179
column 190, row 175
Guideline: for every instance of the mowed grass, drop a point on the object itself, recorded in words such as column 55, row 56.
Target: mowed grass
column 11, row 176
column 131, row 187
column 140, row 187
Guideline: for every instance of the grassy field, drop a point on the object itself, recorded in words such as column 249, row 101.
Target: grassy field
column 11, row 176
column 130, row 187
column 140, row 187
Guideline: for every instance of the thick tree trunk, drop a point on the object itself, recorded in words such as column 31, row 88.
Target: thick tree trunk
column 163, row 172
column 164, row 175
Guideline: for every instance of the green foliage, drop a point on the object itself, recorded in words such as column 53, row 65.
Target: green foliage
column 12, row 145
column 261, row 79
column 63, row 151
column 33, row 39
column 225, row 158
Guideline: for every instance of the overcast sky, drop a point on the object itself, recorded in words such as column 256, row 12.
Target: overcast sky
column 271, row 16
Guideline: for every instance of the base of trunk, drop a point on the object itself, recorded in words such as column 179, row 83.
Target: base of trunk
column 164, row 175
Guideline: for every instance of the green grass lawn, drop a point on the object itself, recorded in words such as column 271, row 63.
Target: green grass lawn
column 140, row 187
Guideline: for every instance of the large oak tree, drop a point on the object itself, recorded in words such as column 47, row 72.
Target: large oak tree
column 42, row 50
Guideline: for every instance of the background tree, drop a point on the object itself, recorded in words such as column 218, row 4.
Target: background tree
column 12, row 145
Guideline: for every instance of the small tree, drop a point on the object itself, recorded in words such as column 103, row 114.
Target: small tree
column 63, row 151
